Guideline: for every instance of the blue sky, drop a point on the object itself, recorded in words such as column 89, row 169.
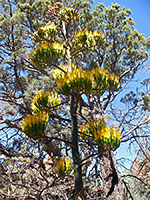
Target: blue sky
column 141, row 16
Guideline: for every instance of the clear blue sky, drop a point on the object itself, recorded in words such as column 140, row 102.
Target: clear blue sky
column 140, row 12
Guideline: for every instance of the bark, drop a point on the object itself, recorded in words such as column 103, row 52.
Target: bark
column 113, row 185
column 95, row 106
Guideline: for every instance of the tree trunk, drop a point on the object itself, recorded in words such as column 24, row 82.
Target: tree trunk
column 113, row 186
column 75, row 152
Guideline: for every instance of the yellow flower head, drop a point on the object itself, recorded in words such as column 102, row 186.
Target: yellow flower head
column 43, row 45
column 34, row 125
column 58, row 73
column 94, row 128
column 79, row 80
column 49, row 26
column 104, row 80
column 106, row 132
column 46, row 54
column 54, row 100
column 115, row 134
column 60, row 166
column 40, row 101
column 57, row 49
column 68, row 165
column 107, row 138
column 63, row 165
column 85, row 39
column 45, row 32
column 45, row 101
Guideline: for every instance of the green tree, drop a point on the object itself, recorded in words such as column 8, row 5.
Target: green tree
column 122, row 52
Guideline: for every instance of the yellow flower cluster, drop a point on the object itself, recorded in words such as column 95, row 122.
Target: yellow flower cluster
column 60, row 166
column 78, row 79
column 42, row 104
column 46, row 54
column 68, row 165
column 40, row 101
column 69, row 15
column 106, row 132
column 57, row 49
column 108, row 138
column 114, row 133
column 45, row 33
column 63, row 165
column 104, row 81
column 45, row 101
column 35, row 124
column 57, row 73
column 86, row 39
column 92, row 128
column 97, row 81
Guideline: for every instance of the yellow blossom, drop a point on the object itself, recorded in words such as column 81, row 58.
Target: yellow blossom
column 104, row 80
column 40, row 101
column 113, row 132
column 68, row 164
column 58, row 73
column 105, row 136
column 44, row 101
column 43, row 45
column 45, row 32
column 60, row 166
column 45, row 54
column 86, row 39
column 49, row 26
column 35, row 124
column 57, row 46
column 78, row 79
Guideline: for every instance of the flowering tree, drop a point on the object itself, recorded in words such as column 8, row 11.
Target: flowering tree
column 79, row 63
column 73, row 82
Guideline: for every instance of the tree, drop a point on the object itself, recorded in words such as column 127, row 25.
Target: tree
column 120, row 49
